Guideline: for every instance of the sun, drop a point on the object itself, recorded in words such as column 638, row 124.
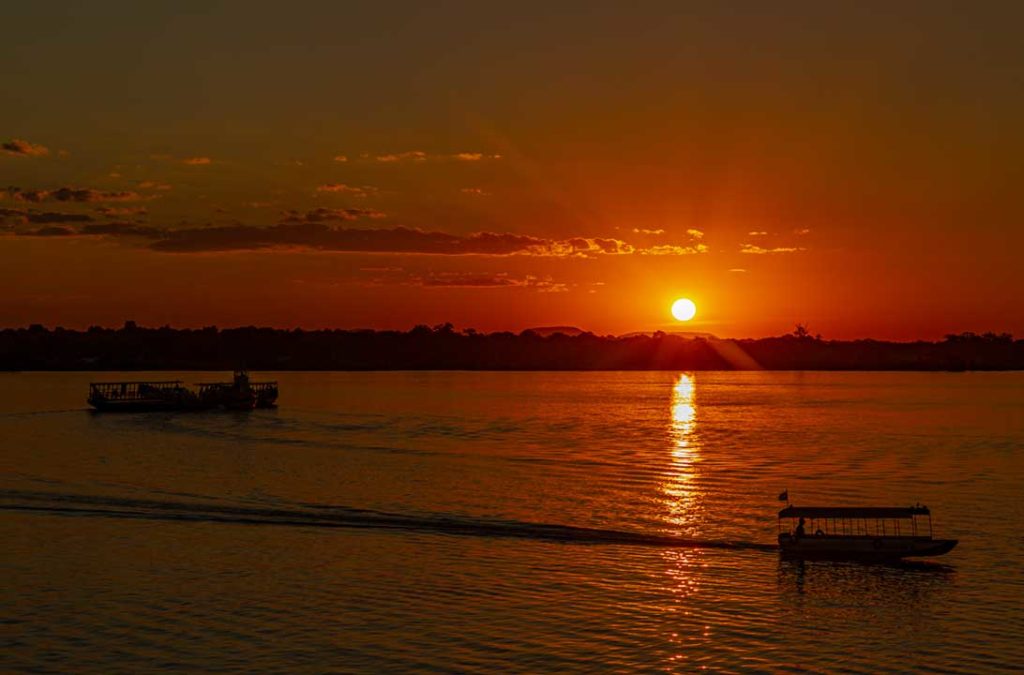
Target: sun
column 683, row 309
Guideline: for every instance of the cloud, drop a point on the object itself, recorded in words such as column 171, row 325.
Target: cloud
column 69, row 194
column 317, row 230
column 672, row 249
column 15, row 216
column 50, row 231
column 411, row 156
column 385, row 276
column 341, row 158
column 640, row 230
column 154, row 185
column 757, row 250
column 122, row 210
column 20, row 148
column 324, row 215
column 802, row 231
column 197, row 161
column 355, row 190
column 695, row 233
column 474, row 191
column 757, row 233
column 738, row 270
column 121, row 230
column 301, row 233
column 484, row 280
column 420, row 156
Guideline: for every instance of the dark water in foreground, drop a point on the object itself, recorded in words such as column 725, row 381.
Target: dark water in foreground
column 513, row 521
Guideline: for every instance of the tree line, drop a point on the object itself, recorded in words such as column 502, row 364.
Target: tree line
column 443, row 348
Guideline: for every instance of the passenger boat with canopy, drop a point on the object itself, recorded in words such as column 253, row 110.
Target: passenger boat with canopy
column 871, row 533
column 239, row 394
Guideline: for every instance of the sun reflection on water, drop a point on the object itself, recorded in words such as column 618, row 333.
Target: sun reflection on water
column 682, row 498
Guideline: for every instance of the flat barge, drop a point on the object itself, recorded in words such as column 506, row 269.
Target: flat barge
column 173, row 395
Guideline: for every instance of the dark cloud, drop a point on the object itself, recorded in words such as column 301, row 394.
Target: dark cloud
column 325, row 215
column 121, row 230
column 312, row 231
column 69, row 194
column 318, row 236
column 20, row 148
column 50, row 231
column 321, row 237
column 42, row 217
column 122, row 210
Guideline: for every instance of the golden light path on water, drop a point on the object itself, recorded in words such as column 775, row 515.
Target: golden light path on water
column 682, row 497
column 682, row 500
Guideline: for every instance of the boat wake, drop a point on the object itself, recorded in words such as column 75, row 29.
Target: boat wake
column 329, row 516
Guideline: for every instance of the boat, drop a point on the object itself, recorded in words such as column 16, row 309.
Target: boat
column 173, row 395
column 864, row 533
column 141, row 396
column 239, row 394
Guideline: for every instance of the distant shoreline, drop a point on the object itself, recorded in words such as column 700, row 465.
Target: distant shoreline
column 132, row 348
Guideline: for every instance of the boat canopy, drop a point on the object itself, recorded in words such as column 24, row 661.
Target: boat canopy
column 853, row 512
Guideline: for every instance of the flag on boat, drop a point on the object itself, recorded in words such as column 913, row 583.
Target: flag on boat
column 784, row 496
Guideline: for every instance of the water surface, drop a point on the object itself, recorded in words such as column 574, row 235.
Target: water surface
column 521, row 521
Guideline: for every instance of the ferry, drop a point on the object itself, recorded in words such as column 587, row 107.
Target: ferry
column 173, row 395
column 866, row 533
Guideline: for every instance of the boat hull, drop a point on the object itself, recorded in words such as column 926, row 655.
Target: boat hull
column 862, row 547
column 142, row 406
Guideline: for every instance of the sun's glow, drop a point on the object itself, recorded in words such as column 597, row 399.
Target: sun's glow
column 683, row 309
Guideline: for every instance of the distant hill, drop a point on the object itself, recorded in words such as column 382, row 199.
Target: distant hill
column 547, row 331
column 676, row 333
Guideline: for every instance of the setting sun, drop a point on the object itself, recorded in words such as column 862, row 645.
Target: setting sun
column 683, row 309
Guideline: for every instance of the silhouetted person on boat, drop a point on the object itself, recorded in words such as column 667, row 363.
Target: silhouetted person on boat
column 799, row 529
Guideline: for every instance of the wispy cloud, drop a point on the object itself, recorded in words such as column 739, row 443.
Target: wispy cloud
column 420, row 156
column 640, row 230
column 355, row 190
column 673, row 249
column 695, row 233
column 483, row 280
column 21, row 148
column 154, row 185
column 754, row 249
column 340, row 158
column 479, row 192
column 197, row 161
column 410, row 156
column 757, row 233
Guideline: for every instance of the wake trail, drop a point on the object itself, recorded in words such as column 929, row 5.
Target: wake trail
column 346, row 517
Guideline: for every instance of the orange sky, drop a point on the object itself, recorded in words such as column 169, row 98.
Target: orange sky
column 858, row 169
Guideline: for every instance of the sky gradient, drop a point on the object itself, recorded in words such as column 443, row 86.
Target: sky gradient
column 857, row 167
